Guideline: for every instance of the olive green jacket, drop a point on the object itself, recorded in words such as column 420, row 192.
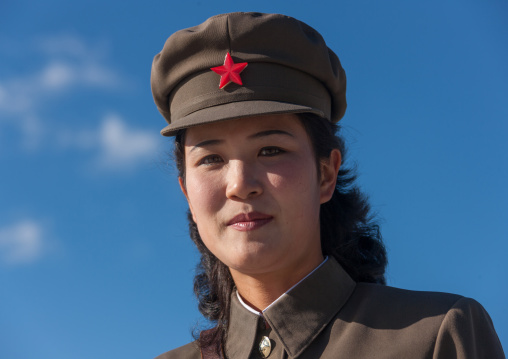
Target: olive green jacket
column 328, row 315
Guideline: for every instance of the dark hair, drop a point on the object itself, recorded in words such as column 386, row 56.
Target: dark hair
column 348, row 233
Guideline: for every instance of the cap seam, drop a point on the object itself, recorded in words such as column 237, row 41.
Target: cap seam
column 228, row 34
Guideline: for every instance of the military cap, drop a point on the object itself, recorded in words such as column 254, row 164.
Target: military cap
column 244, row 64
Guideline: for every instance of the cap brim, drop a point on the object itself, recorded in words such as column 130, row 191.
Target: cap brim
column 235, row 110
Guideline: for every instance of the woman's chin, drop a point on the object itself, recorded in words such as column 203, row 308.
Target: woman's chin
column 253, row 263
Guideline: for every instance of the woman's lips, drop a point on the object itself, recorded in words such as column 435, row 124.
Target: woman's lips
column 249, row 221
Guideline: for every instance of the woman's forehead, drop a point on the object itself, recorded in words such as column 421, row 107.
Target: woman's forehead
column 247, row 127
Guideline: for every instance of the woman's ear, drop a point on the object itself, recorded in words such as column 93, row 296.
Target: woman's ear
column 329, row 171
column 184, row 191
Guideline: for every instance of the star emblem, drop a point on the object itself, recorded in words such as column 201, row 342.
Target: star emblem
column 229, row 72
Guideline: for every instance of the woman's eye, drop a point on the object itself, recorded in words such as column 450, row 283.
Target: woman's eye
column 270, row 151
column 208, row 160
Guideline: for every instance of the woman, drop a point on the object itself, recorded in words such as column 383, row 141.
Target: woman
column 291, row 265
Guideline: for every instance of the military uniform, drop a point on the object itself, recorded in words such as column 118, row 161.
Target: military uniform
column 328, row 315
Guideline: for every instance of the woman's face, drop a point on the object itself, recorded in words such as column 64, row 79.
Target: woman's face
column 253, row 190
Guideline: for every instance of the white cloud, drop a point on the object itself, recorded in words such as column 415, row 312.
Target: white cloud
column 67, row 65
column 82, row 139
column 26, row 93
column 61, row 75
column 33, row 130
column 117, row 145
column 122, row 146
column 57, row 75
column 21, row 243
column 16, row 98
column 3, row 95
column 66, row 45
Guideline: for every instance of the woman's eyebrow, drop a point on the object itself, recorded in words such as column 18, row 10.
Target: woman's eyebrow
column 206, row 143
column 255, row 135
column 270, row 132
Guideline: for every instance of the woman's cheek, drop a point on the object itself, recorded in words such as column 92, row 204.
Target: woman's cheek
column 283, row 172
column 276, row 180
column 294, row 175
column 205, row 192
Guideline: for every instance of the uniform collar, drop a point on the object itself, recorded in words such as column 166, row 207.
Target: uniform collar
column 250, row 309
column 297, row 317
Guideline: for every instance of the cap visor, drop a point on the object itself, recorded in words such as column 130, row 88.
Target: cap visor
column 235, row 110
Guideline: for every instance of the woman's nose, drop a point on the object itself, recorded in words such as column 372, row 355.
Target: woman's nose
column 242, row 181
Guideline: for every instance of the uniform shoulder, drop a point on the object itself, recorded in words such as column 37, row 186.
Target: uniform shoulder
column 382, row 294
column 188, row 351
column 383, row 306
column 447, row 325
column 468, row 328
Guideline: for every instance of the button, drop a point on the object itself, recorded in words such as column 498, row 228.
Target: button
column 265, row 347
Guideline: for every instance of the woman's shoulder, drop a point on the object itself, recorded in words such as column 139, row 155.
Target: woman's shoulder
column 409, row 305
column 188, row 351
column 447, row 323
column 386, row 295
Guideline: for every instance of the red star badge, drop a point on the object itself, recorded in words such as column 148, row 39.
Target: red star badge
column 229, row 72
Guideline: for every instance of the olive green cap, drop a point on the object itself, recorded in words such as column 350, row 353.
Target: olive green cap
column 289, row 70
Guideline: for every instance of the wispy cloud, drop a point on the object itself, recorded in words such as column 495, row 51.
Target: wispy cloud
column 66, row 65
column 22, row 93
column 60, row 75
column 123, row 146
column 118, row 145
column 21, row 243
column 68, row 45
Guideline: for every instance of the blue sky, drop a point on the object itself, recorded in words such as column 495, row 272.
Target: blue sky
column 95, row 261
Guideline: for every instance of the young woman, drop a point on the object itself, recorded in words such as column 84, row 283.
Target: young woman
column 291, row 265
